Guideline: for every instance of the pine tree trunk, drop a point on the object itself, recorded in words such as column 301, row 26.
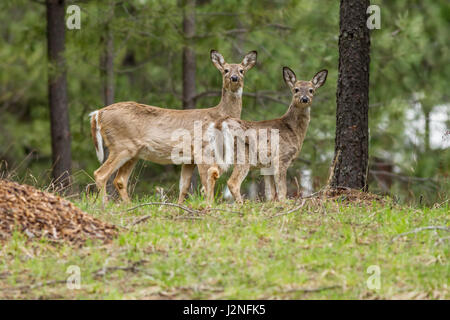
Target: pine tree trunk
column 352, row 144
column 189, row 64
column 107, row 75
column 57, row 92
column 427, row 129
column 107, row 61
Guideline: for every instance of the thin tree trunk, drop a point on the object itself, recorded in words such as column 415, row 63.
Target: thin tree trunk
column 57, row 92
column 352, row 145
column 189, row 64
column 129, row 62
column 107, row 61
column 107, row 74
column 427, row 129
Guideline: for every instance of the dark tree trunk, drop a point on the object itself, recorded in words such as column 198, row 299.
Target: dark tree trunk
column 352, row 144
column 107, row 74
column 189, row 64
column 57, row 92
column 107, row 61
column 427, row 129
column 129, row 62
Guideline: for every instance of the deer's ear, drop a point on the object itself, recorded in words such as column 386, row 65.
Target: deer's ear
column 319, row 79
column 289, row 77
column 217, row 59
column 249, row 60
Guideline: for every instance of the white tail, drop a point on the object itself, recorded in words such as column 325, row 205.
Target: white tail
column 97, row 136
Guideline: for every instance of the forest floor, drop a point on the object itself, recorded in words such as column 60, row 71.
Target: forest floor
column 305, row 249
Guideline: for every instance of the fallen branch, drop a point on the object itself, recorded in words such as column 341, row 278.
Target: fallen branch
column 313, row 195
column 224, row 210
column 290, row 211
column 311, row 289
column 36, row 285
column 421, row 229
column 188, row 217
column 192, row 211
column 133, row 268
column 140, row 220
column 145, row 218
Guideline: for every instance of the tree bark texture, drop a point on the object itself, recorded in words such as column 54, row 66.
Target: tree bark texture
column 107, row 60
column 189, row 63
column 57, row 92
column 352, row 97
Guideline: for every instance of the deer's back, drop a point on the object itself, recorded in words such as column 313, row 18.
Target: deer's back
column 148, row 129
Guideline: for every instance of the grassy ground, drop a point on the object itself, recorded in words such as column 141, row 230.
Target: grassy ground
column 258, row 250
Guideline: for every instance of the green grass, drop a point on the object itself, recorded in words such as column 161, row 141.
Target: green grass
column 321, row 251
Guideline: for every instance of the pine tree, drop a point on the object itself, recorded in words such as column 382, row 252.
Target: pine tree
column 352, row 133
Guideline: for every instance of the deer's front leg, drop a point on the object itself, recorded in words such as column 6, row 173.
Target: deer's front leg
column 240, row 171
column 185, row 181
column 280, row 182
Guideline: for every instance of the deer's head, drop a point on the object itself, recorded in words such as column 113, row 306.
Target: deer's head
column 233, row 74
column 303, row 91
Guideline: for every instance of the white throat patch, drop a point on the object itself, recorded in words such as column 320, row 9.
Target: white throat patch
column 238, row 93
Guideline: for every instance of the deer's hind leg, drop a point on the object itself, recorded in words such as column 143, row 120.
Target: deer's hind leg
column 240, row 171
column 102, row 174
column 121, row 180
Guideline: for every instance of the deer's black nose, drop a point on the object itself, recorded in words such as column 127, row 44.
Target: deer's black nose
column 305, row 99
column 234, row 78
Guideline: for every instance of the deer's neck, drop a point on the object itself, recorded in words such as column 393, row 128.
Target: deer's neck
column 231, row 103
column 297, row 119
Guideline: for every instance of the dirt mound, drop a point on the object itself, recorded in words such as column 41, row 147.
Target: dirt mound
column 41, row 214
column 353, row 196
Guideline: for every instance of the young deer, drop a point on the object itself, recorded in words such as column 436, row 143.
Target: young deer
column 285, row 136
column 133, row 131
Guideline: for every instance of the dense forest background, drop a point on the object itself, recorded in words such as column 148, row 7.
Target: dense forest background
column 157, row 53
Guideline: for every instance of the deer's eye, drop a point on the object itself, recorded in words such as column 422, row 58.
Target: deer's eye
column 297, row 90
column 311, row 90
column 226, row 70
column 241, row 71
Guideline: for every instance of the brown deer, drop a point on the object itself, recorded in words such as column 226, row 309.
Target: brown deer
column 133, row 131
column 285, row 139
